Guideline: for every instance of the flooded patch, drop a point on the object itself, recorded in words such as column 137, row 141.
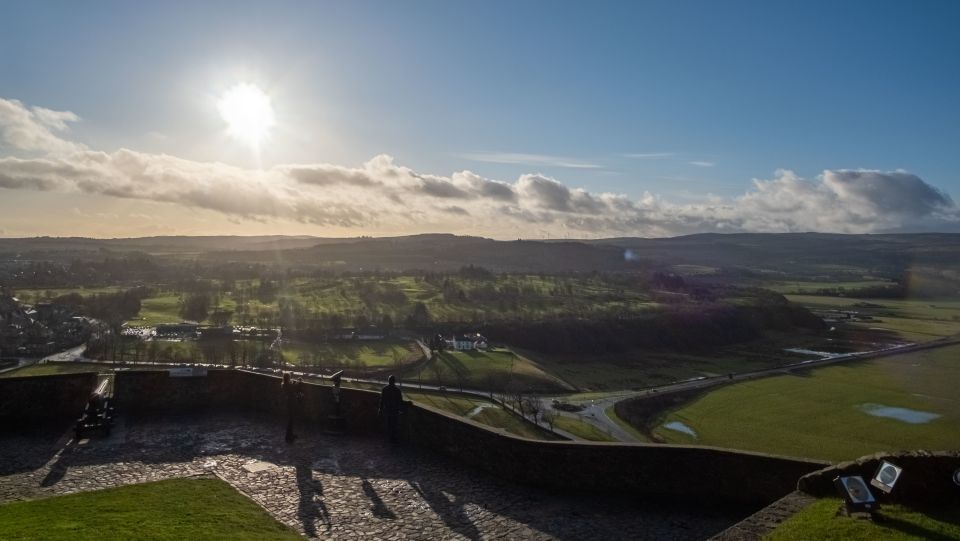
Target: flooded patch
column 906, row 415
column 470, row 414
column 680, row 427
column 820, row 354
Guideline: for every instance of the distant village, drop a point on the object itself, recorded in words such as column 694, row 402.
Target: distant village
column 40, row 329
column 36, row 330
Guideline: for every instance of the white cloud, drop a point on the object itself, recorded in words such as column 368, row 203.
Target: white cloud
column 383, row 195
column 701, row 163
column 32, row 129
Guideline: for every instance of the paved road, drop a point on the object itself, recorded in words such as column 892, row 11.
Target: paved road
column 594, row 411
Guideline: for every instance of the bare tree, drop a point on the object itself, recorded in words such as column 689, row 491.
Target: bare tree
column 549, row 417
column 532, row 405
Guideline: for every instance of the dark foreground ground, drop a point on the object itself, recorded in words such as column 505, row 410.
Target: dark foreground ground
column 334, row 487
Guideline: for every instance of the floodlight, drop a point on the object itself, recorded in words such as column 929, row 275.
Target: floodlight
column 856, row 494
column 887, row 475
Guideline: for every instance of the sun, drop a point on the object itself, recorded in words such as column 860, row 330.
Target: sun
column 248, row 113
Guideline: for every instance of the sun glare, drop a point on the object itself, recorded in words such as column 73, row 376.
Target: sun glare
column 248, row 113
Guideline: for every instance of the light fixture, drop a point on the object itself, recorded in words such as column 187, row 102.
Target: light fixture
column 886, row 477
column 856, row 494
column 956, row 477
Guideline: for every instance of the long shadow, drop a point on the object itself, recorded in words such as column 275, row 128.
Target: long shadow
column 451, row 512
column 915, row 531
column 448, row 487
column 458, row 367
column 23, row 450
column 380, row 509
column 310, row 507
column 59, row 468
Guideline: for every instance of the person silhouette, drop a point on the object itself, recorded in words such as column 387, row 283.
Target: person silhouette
column 391, row 400
column 291, row 391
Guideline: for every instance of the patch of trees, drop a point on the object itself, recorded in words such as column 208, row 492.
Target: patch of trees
column 678, row 327
column 108, row 307
column 195, row 306
column 472, row 272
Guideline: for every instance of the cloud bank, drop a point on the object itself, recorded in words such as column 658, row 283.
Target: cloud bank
column 381, row 194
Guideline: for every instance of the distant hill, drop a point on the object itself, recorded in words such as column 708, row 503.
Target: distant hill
column 808, row 254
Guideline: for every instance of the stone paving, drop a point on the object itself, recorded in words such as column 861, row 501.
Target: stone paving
column 333, row 487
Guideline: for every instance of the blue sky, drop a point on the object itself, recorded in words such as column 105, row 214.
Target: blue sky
column 680, row 100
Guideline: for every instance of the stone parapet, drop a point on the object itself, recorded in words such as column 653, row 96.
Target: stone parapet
column 32, row 400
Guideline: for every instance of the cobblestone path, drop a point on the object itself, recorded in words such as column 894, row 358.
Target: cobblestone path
column 332, row 487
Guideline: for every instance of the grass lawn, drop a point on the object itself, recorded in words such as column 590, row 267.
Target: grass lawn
column 358, row 354
column 47, row 369
column 481, row 411
column 915, row 320
column 824, row 413
column 800, row 288
column 820, row 521
column 157, row 310
column 495, row 368
column 604, row 373
column 35, row 295
column 174, row 509
column 581, row 429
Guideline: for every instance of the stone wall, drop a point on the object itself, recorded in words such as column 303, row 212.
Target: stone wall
column 685, row 473
column 927, row 477
column 688, row 473
column 32, row 400
column 156, row 392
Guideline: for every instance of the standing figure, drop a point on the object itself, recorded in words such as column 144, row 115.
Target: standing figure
column 291, row 391
column 390, row 402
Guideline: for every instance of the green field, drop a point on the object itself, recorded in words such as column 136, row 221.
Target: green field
column 37, row 295
column 47, row 369
column 810, row 287
column 157, row 310
column 914, row 320
column 640, row 368
column 820, row 521
column 498, row 369
column 456, row 298
column 581, row 429
column 481, row 411
column 352, row 354
column 823, row 413
column 173, row 509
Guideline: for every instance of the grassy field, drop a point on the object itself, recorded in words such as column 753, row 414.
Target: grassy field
column 581, row 429
column 372, row 354
column 826, row 413
column 47, row 369
column 355, row 355
column 801, row 288
column 36, row 295
column 820, row 521
column 647, row 367
column 157, row 310
column 498, row 369
column 173, row 509
column 457, row 298
column 481, row 411
column 912, row 319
